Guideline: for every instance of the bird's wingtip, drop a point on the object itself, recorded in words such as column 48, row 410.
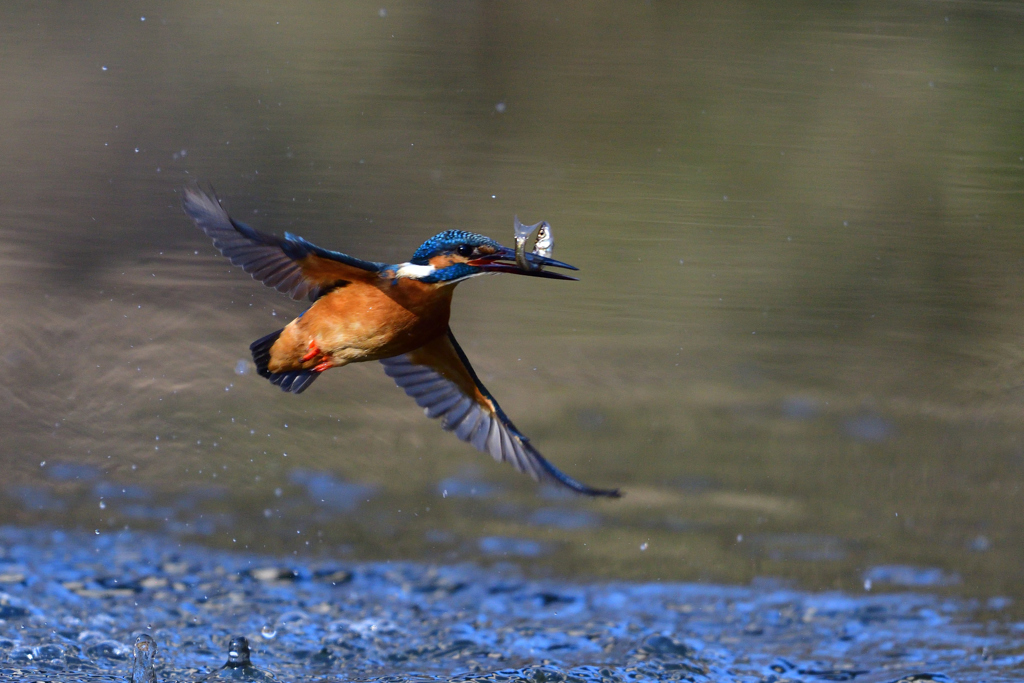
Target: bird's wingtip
column 194, row 194
column 603, row 493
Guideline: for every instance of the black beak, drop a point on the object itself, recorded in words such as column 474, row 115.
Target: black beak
column 492, row 264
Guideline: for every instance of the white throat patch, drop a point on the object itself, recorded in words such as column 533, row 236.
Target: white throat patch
column 411, row 270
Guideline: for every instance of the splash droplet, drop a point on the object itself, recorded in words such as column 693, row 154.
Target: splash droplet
column 238, row 651
column 145, row 654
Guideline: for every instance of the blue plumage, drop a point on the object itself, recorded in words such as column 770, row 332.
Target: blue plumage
column 401, row 323
column 449, row 241
column 451, row 273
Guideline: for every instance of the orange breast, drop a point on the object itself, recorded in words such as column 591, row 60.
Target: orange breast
column 362, row 321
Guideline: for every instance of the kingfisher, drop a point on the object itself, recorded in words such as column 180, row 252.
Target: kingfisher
column 396, row 314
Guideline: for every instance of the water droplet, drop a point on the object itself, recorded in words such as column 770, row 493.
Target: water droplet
column 145, row 654
column 268, row 632
column 643, row 546
column 238, row 650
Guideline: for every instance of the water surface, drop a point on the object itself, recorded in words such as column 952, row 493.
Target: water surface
column 83, row 600
column 796, row 342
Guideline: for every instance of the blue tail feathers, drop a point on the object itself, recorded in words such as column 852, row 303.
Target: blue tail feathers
column 261, row 352
column 294, row 381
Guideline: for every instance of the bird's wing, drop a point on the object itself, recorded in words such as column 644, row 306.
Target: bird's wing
column 438, row 375
column 290, row 264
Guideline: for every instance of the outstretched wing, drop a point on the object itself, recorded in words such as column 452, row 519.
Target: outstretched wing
column 290, row 265
column 438, row 375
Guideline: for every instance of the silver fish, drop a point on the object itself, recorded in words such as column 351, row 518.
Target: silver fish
column 545, row 243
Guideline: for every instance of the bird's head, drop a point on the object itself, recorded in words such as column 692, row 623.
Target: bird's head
column 454, row 255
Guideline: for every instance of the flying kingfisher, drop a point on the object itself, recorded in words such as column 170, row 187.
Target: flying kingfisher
column 393, row 313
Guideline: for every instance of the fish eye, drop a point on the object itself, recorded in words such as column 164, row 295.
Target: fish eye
column 465, row 249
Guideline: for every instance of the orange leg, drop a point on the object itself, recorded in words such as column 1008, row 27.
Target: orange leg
column 314, row 351
column 323, row 366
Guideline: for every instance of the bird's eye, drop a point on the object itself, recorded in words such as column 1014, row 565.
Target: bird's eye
column 465, row 250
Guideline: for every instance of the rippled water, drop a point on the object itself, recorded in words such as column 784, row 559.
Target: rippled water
column 82, row 601
column 795, row 343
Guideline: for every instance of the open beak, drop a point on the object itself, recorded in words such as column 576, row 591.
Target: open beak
column 492, row 263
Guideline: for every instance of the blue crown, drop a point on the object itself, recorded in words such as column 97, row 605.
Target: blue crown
column 447, row 241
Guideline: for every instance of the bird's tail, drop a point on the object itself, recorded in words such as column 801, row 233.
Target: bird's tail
column 294, row 381
column 261, row 352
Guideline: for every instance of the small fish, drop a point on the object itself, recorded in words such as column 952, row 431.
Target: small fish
column 543, row 247
column 545, row 241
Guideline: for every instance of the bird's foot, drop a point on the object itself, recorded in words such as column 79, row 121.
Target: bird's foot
column 314, row 351
column 323, row 366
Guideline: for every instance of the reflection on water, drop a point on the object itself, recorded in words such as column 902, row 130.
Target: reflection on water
column 795, row 343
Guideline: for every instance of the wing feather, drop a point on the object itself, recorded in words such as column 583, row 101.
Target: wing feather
column 479, row 436
column 457, row 413
column 440, row 407
column 425, row 385
column 494, row 441
column 465, row 428
column 438, row 375
column 290, row 264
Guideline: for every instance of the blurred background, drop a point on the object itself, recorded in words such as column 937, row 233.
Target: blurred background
column 796, row 343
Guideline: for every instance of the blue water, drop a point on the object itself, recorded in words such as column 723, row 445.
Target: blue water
column 72, row 605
